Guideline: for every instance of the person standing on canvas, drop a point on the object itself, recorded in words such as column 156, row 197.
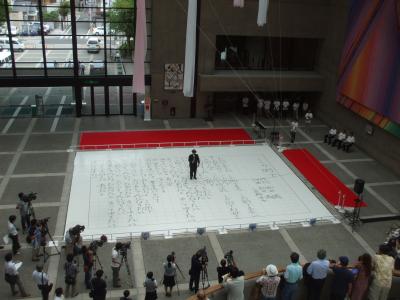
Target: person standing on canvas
column 194, row 162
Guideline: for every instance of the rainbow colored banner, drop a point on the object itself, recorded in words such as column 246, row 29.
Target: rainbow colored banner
column 369, row 71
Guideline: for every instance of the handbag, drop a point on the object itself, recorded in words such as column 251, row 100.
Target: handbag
column 11, row 279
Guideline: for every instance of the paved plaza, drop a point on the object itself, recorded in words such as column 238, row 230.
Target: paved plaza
column 35, row 156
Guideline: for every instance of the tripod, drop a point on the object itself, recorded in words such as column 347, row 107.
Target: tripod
column 204, row 276
column 124, row 260
column 96, row 260
column 46, row 255
column 354, row 219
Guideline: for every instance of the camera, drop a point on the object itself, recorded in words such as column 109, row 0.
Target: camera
column 95, row 244
column 43, row 222
column 123, row 248
column 28, row 197
column 77, row 229
column 203, row 257
column 229, row 258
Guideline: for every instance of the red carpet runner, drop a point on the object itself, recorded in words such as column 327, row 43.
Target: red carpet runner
column 163, row 138
column 319, row 176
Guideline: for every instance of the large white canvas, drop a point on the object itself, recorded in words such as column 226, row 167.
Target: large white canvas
column 125, row 192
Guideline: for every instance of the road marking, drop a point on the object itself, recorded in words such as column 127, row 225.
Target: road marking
column 58, row 114
column 238, row 120
column 292, row 245
column 210, row 124
column 37, row 204
column 9, row 94
column 40, row 63
column 15, row 114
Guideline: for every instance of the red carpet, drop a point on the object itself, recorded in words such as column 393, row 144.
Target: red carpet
column 322, row 179
column 163, row 138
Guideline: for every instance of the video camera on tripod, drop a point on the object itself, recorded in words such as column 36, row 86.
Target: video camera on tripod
column 94, row 245
column 203, row 256
column 123, row 248
column 28, row 197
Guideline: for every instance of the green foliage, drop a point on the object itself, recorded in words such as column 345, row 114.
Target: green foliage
column 2, row 12
column 50, row 16
column 121, row 17
column 64, row 9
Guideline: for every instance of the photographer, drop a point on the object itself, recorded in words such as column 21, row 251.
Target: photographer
column 116, row 259
column 169, row 275
column 13, row 234
column 34, row 237
column 194, row 272
column 71, row 271
column 87, row 256
column 23, row 206
column 42, row 281
column 73, row 240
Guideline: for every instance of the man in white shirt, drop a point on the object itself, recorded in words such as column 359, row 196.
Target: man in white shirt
column 13, row 234
column 260, row 104
column 267, row 108
column 305, row 106
column 42, row 281
column 348, row 142
column 293, row 129
column 12, row 276
column 285, row 108
column 295, row 107
column 339, row 139
column 331, row 135
column 245, row 105
column 116, row 263
column 277, row 108
column 308, row 116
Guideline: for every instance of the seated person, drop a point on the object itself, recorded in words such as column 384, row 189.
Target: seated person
column 350, row 140
column 330, row 136
column 339, row 139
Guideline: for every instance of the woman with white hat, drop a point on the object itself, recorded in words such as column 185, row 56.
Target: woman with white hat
column 269, row 283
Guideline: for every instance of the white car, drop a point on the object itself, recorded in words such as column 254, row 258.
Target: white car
column 93, row 45
column 14, row 30
column 17, row 45
column 98, row 31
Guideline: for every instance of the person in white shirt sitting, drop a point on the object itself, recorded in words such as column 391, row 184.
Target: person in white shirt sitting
column 339, row 139
column 245, row 105
column 348, row 142
column 308, row 116
column 331, row 135
column 260, row 105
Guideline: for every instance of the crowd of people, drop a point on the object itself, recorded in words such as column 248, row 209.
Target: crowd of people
column 370, row 275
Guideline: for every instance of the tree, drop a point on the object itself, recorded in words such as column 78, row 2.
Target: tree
column 63, row 11
column 50, row 16
column 2, row 12
column 122, row 20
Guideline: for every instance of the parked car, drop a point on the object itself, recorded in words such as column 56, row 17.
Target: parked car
column 93, row 45
column 97, row 67
column 35, row 28
column 17, row 44
column 14, row 30
column 98, row 30
column 5, row 59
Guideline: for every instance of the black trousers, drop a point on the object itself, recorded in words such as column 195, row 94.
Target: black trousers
column 292, row 136
column 15, row 243
column 316, row 286
column 194, row 279
column 193, row 170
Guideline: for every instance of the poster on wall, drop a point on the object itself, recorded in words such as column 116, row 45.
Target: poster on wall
column 173, row 76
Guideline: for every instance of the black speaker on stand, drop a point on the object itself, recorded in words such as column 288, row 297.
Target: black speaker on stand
column 358, row 189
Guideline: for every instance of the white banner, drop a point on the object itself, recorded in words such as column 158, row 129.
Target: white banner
column 262, row 12
column 190, row 51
